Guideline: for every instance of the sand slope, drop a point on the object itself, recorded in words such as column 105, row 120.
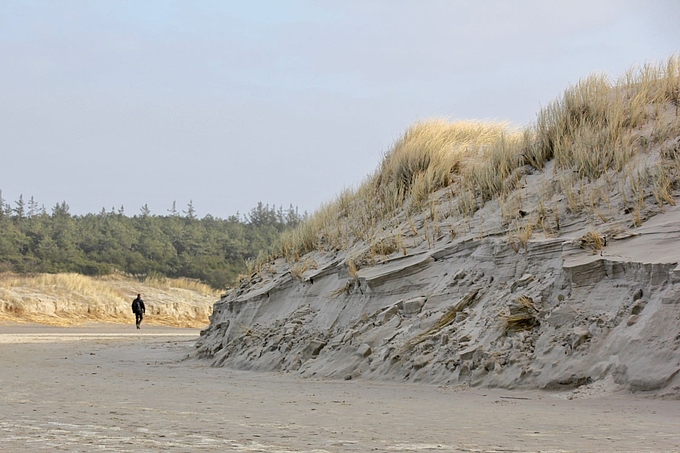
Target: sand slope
column 607, row 320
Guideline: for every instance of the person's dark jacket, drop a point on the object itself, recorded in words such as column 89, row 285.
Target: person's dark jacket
column 138, row 306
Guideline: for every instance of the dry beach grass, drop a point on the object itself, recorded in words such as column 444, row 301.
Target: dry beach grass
column 600, row 137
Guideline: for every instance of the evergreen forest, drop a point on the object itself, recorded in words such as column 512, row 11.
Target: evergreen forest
column 212, row 250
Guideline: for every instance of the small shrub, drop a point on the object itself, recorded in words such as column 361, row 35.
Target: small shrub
column 344, row 289
column 301, row 267
column 592, row 240
column 524, row 233
column 384, row 246
column 521, row 314
column 352, row 268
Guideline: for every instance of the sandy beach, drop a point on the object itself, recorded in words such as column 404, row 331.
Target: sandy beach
column 113, row 388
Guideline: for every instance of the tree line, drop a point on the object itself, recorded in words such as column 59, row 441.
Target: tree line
column 179, row 244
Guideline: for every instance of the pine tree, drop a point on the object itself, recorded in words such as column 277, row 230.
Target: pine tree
column 32, row 207
column 190, row 212
column 20, row 210
column 61, row 210
column 173, row 211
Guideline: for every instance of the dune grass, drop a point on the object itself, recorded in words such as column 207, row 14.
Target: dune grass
column 196, row 286
column 592, row 240
column 521, row 315
column 61, row 285
column 597, row 127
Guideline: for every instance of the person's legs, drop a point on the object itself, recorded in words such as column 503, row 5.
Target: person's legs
column 138, row 319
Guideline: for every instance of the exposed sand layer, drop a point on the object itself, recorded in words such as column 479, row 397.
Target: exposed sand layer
column 472, row 310
column 111, row 388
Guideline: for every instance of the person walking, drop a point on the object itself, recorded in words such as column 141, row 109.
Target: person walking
column 138, row 309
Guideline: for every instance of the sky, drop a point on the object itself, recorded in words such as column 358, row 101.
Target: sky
column 225, row 104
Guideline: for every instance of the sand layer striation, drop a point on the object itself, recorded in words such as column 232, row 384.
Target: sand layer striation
column 477, row 311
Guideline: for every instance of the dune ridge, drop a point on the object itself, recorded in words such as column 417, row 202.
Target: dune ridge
column 478, row 254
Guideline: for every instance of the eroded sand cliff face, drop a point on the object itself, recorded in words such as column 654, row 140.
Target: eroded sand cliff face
column 472, row 310
column 548, row 263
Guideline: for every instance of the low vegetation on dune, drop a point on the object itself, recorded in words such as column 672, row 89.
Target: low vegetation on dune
column 604, row 150
column 71, row 299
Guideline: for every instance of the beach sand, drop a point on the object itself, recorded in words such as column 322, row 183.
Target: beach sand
column 114, row 388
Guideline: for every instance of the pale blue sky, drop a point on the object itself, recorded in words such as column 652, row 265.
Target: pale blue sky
column 113, row 103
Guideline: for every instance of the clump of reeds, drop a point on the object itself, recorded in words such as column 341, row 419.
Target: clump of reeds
column 344, row 289
column 352, row 267
column 301, row 267
column 434, row 149
column 593, row 241
column 384, row 246
column 521, row 315
column 446, row 319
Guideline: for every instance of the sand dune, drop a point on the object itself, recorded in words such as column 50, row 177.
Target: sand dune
column 486, row 256
column 72, row 299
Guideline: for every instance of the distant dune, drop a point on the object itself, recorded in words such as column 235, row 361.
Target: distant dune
column 72, row 299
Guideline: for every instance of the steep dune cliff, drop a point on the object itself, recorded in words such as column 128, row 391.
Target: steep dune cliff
column 445, row 316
